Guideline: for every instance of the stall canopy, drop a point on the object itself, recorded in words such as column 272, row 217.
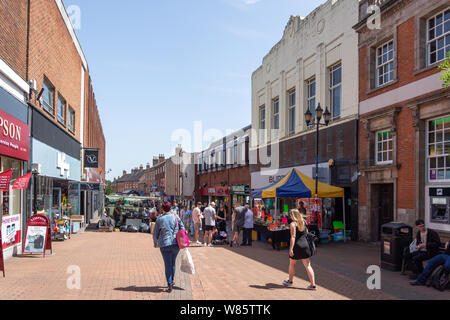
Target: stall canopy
column 297, row 185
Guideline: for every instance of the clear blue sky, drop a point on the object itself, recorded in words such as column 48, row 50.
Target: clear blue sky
column 158, row 66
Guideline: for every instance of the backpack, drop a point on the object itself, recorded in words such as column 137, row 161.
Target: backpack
column 440, row 279
column 182, row 236
column 310, row 237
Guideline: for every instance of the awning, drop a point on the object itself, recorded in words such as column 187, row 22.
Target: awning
column 297, row 185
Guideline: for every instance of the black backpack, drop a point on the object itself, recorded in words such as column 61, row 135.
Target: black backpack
column 440, row 279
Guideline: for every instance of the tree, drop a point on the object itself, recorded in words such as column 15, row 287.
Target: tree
column 445, row 68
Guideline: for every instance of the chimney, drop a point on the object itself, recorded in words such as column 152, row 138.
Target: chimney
column 155, row 161
column 148, row 166
column 124, row 172
column 161, row 158
column 141, row 167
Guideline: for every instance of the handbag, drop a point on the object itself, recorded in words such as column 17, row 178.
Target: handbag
column 182, row 237
column 311, row 242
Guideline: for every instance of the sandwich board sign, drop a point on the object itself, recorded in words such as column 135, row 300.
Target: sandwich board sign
column 38, row 236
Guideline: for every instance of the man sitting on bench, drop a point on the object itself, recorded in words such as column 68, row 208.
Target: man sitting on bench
column 442, row 259
column 428, row 243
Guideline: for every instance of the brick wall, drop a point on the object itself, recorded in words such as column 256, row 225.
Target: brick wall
column 53, row 54
column 13, row 35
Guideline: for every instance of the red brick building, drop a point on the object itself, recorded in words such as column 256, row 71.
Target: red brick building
column 404, row 116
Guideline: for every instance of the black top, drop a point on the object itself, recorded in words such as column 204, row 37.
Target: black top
column 221, row 213
column 433, row 241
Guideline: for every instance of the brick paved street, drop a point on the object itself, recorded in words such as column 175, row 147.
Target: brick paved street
column 126, row 266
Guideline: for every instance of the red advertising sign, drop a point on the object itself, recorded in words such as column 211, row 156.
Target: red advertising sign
column 2, row 263
column 5, row 180
column 14, row 137
column 22, row 182
column 38, row 236
column 215, row 191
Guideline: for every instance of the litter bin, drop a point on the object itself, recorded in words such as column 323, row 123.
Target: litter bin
column 394, row 238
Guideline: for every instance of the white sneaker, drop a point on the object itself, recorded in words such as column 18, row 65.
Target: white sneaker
column 287, row 283
column 210, row 245
column 312, row 288
column 199, row 243
column 205, row 244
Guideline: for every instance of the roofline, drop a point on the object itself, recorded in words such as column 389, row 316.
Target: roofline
column 386, row 6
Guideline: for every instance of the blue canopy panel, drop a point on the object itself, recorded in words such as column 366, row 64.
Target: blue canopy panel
column 294, row 188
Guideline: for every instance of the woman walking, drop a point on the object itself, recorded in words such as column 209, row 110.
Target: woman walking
column 299, row 249
column 165, row 238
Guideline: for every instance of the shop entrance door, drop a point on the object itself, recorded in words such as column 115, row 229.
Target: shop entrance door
column 56, row 203
column 384, row 194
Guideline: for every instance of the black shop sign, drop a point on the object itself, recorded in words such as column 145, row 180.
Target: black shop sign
column 91, row 158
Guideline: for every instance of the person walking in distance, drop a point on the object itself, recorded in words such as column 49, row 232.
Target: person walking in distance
column 248, row 227
column 197, row 220
column 239, row 220
column 185, row 217
column 165, row 238
column 210, row 224
column 299, row 249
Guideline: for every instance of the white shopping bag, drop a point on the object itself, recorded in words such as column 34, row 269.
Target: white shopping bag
column 413, row 246
column 187, row 264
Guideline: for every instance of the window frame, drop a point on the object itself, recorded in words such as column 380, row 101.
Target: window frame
column 46, row 106
column 444, row 155
column 333, row 87
column 276, row 115
column 71, row 111
column 291, row 108
column 436, row 39
column 377, row 151
column 309, row 97
column 58, row 117
column 384, row 64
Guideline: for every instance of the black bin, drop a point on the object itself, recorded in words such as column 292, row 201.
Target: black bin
column 395, row 237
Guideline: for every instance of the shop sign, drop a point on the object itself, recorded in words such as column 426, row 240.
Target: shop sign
column 93, row 176
column 22, row 182
column 14, row 137
column 62, row 165
column 240, row 190
column 38, row 236
column 5, row 180
column 90, row 158
column 11, row 231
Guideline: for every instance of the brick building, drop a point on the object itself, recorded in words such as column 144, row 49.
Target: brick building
column 404, row 116
column 130, row 181
column 223, row 172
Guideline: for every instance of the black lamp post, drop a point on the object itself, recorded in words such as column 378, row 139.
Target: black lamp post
column 316, row 122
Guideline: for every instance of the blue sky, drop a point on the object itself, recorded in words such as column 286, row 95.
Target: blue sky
column 159, row 66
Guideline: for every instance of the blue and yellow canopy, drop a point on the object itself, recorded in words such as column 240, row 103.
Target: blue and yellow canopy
column 297, row 185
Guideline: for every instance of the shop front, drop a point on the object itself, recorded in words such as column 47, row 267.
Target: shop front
column 92, row 195
column 239, row 194
column 56, row 162
column 217, row 194
column 14, row 156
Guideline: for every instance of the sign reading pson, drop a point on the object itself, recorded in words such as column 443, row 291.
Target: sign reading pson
column 14, row 134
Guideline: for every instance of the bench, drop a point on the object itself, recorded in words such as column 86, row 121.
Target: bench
column 441, row 251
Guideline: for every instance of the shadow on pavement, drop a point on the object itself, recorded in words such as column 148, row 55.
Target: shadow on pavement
column 271, row 286
column 156, row 289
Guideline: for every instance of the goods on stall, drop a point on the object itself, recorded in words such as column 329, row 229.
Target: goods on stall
column 123, row 228
column 144, row 228
column 132, row 229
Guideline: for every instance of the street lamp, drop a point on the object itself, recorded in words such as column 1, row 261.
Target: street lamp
column 316, row 122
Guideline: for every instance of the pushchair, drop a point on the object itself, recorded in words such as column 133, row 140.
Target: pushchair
column 220, row 236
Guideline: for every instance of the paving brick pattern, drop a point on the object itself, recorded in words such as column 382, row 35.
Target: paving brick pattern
column 126, row 266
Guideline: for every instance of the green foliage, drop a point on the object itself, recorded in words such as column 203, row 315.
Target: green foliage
column 108, row 190
column 445, row 68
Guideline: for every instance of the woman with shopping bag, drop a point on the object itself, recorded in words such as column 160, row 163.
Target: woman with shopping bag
column 167, row 227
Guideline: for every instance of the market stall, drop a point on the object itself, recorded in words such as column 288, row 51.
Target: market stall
column 294, row 185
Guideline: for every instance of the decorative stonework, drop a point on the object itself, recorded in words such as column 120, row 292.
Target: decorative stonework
column 320, row 26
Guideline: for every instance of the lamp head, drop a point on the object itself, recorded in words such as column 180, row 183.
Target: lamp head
column 319, row 113
column 308, row 116
column 327, row 116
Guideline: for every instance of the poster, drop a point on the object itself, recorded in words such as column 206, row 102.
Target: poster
column 311, row 209
column 36, row 239
column 22, row 182
column 11, row 231
column 5, row 179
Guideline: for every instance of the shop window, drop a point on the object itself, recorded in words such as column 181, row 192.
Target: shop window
column 11, row 200
column 385, row 63
column 291, row 112
column 439, row 149
column 438, row 37
column 336, row 90
column 49, row 93
column 384, row 147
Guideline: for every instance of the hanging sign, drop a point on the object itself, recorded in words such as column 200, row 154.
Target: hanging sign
column 91, row 158
column 2, row 263
column 5, row 180
column 38, row 236
column 22, row 182
column 14, row 137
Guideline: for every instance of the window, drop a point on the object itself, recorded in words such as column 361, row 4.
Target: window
column 336, row 90
column 262, row 124
column 438, row 35
column 439, row 149
column 311, row 96
column 49, row 92
column 61, row 109
column 291, row 112
column 276, row 113
column 385, row 63
column 384, row 147
column 71, row 122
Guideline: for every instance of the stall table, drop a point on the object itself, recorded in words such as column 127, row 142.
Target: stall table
column 277, row 236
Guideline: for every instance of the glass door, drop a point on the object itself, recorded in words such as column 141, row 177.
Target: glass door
column 56, row 204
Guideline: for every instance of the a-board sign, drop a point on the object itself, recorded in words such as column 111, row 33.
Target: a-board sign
column 2, row 263
column 38, row 237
